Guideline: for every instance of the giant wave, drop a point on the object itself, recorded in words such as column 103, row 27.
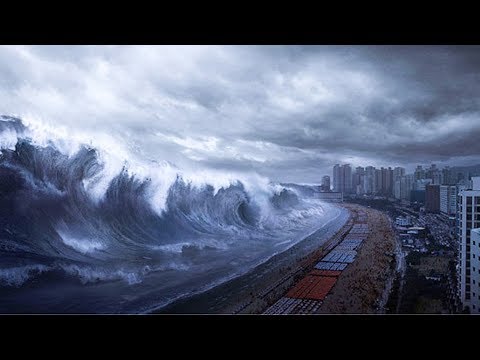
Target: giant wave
column 67, row 221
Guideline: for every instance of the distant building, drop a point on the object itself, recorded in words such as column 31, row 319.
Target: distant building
column 330, row 196
column 369, row 180
column 448, row 178
column 397, row 189
column 419, row 173
column 342, row 178
column 475, row 273
column 348, row 178
column 378, row 181
column 337, row 178
column 432, row 198
column 358, row 180
column 408, row 182
column 468, row 218
column 326, row 183
column 384, row 179
column 434, row 174
column 430, row 171
column 387, row 181
column 448, row 199
column 437, row 178
column 398, row 172
column 402, row 187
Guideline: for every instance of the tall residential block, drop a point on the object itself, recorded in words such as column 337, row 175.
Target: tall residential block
column 342, row 178
column 326, row 183
column 419, row 173
column 468, row 218
column 369, row 180
column 432, row 198
column 475, row 271
column 398, row 172
column 448, row 199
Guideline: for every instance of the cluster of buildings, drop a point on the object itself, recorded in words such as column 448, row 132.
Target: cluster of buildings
column 432, row 187
column 411, row 236
column 365, row 180
column 442, row 191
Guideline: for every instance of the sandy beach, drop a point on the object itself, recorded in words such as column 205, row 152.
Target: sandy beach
column 352, row 274
column 361, row 285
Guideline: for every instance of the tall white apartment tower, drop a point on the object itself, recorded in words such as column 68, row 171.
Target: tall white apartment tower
column 468, row 218
column 342, row 178
column 448, row 199
column 475, row 273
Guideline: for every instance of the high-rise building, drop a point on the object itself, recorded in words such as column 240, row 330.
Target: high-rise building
column 409, row 181
column 434, row 174
column 348, row 178
column 437, row 177
column 397, row 189
column 398, row 172
column 378, row 181
column 419, row 173
column 403, row 185
column 358, row 180
column 448, row 199
column 475, row 271
column 337, row 178
column 432, row 198
column 468, row 218
column 369, row 180
column 448, row 178
column 429, row 171
column 360, row 170
column 389, row 182
column 342, row 178
column 326, row 183
column 386, row 187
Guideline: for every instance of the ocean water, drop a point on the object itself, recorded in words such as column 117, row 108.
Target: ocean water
column 78, row 235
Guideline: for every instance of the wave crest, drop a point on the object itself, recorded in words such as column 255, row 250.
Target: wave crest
column 48, row 213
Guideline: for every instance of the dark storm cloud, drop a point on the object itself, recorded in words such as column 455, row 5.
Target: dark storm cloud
column 286, row 112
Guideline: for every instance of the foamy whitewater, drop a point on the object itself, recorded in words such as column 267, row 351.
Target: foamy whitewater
column 90, row 228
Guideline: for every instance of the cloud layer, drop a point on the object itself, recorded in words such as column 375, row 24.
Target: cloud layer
column 286, row 112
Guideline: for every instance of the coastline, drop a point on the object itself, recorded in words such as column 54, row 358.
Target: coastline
column 254, row 291
column 361, row 288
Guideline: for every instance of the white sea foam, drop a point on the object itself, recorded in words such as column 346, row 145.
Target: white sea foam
column 16, row 276
column 90, row 274
column 83, row 245
column 115, row 154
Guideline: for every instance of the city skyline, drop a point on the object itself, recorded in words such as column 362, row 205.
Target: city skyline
column 447, row 175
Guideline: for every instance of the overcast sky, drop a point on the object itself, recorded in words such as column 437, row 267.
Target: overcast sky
column 286, row 112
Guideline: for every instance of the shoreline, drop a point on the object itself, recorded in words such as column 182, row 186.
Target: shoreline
column 361, row 287
column 254, row 291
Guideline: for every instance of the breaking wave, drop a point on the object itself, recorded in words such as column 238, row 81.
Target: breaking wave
column 71, row 213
